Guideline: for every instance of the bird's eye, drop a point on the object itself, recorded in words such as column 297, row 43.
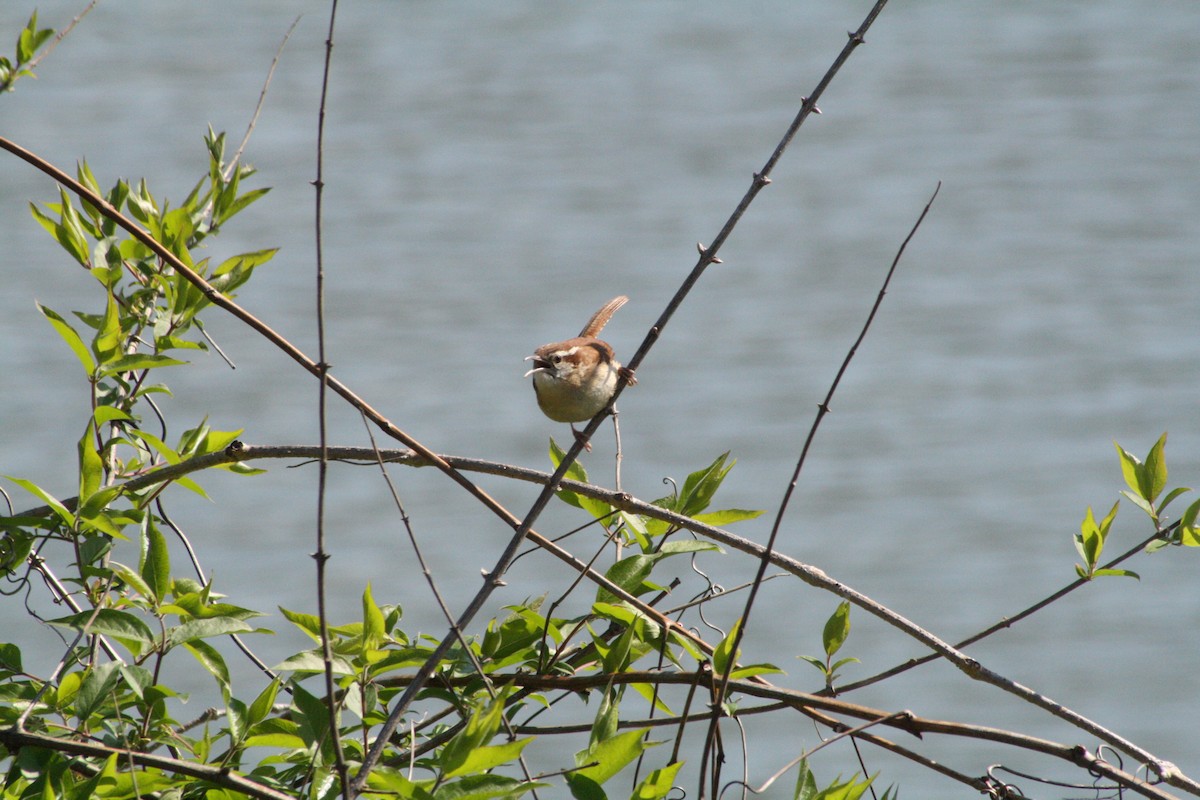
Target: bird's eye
column 556, row 358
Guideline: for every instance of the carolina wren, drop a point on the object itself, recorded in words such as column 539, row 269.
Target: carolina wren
column 575, row 379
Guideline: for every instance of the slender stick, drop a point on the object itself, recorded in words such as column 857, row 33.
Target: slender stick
column 822, row 410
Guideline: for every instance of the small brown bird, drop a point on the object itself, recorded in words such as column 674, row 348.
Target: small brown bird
column 575, row 379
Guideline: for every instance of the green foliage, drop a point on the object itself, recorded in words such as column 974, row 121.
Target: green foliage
column 1146, row 480
column 852, row 789
column 1090, row 543
column 833, row 636
column 30, row 40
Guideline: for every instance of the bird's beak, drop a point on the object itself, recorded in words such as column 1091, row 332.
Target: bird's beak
column 539, row 365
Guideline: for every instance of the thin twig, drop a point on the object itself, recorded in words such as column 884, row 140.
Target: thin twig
column 1007, row 622
column 262, row 97
column 321, row 556
column 822, row 410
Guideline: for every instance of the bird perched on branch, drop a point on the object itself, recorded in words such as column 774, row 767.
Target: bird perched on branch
column 574, row 380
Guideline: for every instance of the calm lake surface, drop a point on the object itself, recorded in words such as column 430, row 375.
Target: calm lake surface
column 496, row 171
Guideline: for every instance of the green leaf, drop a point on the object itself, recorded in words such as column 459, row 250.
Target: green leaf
column 489, row 756
column 374, row 630
column 806, row 782
column 1123, row 573
column 700, row 486
column 133, row 580
column 312, row 715
column 55, row 505
column 312, row 661
column 91, row 511
column 194, row 629
column 1129, row 468
column 241, row 202
column 635, row 524
column 728, row 516
column 622, row 653
column 261, row 708
column 120, row 625
column 235, row 271
column 235, row 713
column 1186, row 533
column 844, row 790
column 158, row 445
column 91, row 467
column 1088, row 542
column 308, row 623
column 212, row 661
column 837, row 628
column 685, row 546
column 607, row 715
column 10, row 658
column 658, row 783
column 584, row 788
column 723, row 656
column 106, row 414
column 138, row 361
column 479, row 730
column 31, row 39
column 98, row 684
column 1155, row 472
column 473, row 787
column 512, row 639
column 1146, row 480
column 1176, row 492
column 1141, row 503
column 576, row 472
column 155, row 563
column 107, row 342
column 67, row 230
column 629, row 574
column 275, row 732
column 610, row 757
column 744, row 671
column 69, row 335
column 1107, row 522
column 819, row 663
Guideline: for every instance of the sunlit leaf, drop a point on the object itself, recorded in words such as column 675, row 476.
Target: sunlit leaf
column 120, row 625
column 155, row 563
column 212, row 661
column 724, row 655
column 139, row 361
column 837, row 628
column 54, row 503
column 73, row 340
column 658, row 784
column 610, row 756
